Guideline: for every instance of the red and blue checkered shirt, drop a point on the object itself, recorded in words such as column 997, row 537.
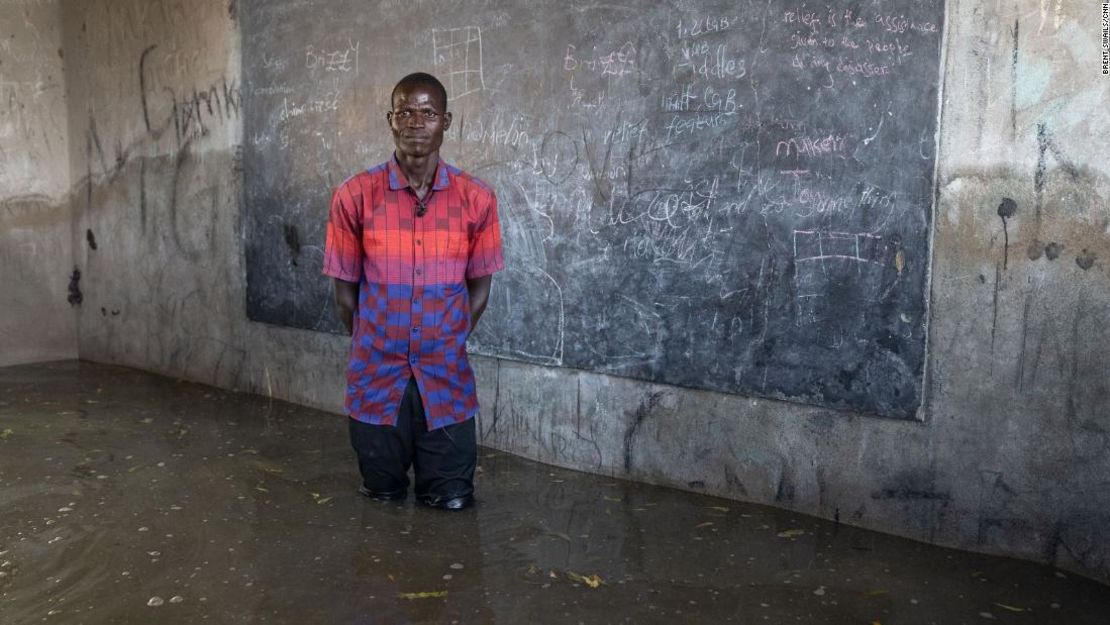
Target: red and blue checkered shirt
column 413, row 313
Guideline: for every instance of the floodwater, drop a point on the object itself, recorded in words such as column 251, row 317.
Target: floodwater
column 130, row 498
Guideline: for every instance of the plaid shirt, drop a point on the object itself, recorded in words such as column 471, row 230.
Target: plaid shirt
column 413, row 314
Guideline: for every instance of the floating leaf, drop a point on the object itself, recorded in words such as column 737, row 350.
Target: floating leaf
column 791, row 533
column 719, row 508
column 616, row 499
column 6, row 434
column 324, row 500
column 1010, row 607
column 593, row 581
column 701, row 525
column 559, row 535
column 423, row 595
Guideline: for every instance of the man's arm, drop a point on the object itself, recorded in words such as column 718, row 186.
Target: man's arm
column 479, row 296
column 346, row 299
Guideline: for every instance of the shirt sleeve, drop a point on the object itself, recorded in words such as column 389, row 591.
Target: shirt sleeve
column 343, row 247
column 486, row 256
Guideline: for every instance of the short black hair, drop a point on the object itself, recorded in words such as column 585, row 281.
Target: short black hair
column 421, row 78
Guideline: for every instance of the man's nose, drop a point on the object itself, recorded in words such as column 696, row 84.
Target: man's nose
column 416, row 120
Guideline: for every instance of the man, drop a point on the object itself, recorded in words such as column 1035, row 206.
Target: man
column 412, row 245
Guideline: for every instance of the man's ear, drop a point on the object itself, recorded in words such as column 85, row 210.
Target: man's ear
column 447, row 121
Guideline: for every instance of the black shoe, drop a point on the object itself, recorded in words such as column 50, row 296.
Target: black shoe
column 460, row 502
column 395, row 495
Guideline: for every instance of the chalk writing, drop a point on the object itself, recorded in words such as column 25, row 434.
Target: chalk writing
column 809, row 146
column 326, row 102
column 273, row 90
column 615, row 63
column 331, row 60
column 679, row 125
column 700, row 59
column 866, row 69
column 900, row 24
column 626, row 132
column 501, row 130
column 704, row 26
column 276, row 64
column 708, row 99
column 819, row 202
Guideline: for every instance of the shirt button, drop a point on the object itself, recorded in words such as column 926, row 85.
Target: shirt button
column 418, row 241
column 418, row 272
column 416, row 330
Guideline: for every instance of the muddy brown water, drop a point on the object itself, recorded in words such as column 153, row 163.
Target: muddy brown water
column 131, row 498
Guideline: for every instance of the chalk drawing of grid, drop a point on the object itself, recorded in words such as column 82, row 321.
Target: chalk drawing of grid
column 823, row 256
column 459, row 52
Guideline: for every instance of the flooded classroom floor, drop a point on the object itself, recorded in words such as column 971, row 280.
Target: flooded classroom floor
column 130, row 498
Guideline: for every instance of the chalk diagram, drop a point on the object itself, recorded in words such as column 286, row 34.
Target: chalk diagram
column 458, row 54
column 824, row 261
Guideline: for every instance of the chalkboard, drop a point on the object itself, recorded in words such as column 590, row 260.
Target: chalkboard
column 732, row 196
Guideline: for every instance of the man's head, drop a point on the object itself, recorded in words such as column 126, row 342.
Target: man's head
column 419, row 115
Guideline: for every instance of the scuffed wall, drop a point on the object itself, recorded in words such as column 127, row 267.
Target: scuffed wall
column 156, row 120
column 1014, row 452
column 36, row 260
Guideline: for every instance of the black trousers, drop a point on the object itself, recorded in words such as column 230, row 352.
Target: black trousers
column 443, row 460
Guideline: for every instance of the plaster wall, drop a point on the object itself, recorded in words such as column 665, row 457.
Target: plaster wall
column 36, row 259
column 1013, row 454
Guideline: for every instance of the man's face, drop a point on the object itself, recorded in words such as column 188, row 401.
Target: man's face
column 418, row 120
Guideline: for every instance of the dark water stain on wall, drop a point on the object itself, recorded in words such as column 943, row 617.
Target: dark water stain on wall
column 90, row 238
column 75, row 296
column 1085, row 259
column 1052, row 250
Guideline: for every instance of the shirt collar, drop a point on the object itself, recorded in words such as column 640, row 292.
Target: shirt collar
column 397, row 180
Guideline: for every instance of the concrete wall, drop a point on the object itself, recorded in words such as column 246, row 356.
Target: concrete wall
column 36, row 259
column 1013, row 456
